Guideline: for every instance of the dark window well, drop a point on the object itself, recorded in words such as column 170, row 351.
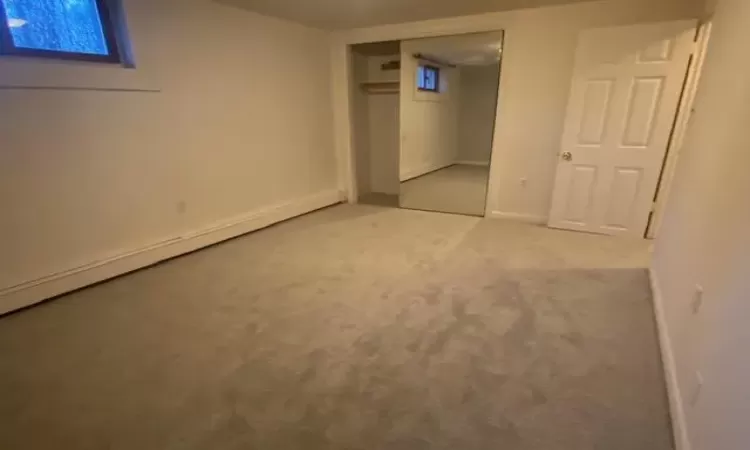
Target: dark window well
column 428, row 79
column 59, row 29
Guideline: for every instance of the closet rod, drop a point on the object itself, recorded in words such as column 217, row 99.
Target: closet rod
column 424, row 57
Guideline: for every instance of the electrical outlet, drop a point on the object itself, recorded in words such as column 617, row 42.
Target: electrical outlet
column 697, row 389
column 697, row 299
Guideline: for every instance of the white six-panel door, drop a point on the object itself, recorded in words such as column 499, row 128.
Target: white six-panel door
column 626, row 89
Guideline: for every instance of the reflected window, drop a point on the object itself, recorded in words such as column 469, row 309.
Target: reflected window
column 428, row 78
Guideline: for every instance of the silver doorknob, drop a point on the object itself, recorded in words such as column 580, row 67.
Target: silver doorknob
column 567, row 156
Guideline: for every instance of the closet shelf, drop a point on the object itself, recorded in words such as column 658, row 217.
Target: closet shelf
column 381, row 87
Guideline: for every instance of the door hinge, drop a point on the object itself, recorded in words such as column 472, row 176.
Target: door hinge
column 653, row 207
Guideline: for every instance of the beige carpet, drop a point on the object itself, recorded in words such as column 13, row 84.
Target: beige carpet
column 458, row 189
column 352, row 328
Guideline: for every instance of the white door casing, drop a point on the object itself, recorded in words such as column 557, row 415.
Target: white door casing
column 682, row 124
column 626, row 88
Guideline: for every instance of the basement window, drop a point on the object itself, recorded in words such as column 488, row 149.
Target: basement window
column 428, row 79
column 81, row 30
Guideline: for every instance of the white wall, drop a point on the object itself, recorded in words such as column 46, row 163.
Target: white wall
column 384, row 123
column 478, row 104
column 429, row 121
column 376, row 123
column 241, row 123
column 361, row 118
column 537, row 68
column 710, row 7
column 383, row 117
column 705, row 239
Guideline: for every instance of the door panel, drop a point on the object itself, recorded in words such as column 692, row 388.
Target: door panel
column 595, row 105
column 657, row 52
column 582, row 190
column 645, row 96
column 625, row 185
column 624, row 96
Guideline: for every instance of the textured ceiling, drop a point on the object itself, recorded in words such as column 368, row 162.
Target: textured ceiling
column 341, row 14
column 474, row 49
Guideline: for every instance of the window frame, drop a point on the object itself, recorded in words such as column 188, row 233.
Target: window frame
column 8, row 47
column 436, row 71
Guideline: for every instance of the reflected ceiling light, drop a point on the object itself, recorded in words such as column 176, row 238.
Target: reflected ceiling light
column 16, row 23
column 497, row 46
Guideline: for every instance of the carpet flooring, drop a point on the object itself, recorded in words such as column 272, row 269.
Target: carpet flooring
column 457, row 189
column 379, row 199
column 355, row 327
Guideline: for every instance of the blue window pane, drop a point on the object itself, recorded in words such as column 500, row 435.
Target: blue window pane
column 72, row 26
column 427, row 78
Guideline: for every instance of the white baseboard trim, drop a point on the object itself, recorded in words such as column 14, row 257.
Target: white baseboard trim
column 424, row 170
column 474, row 163
column 35, row 291
column 676, row 407
column 531, row 218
